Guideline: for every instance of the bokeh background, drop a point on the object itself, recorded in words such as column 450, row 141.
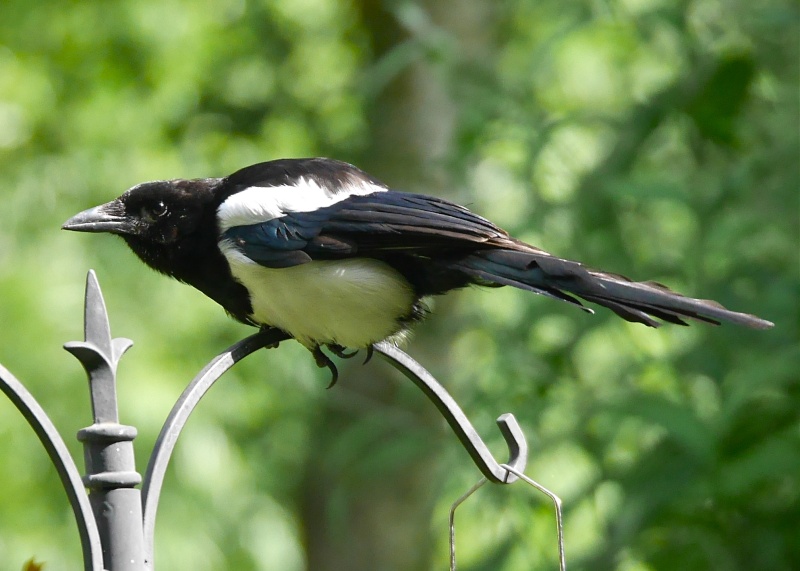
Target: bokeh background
column 654, row 138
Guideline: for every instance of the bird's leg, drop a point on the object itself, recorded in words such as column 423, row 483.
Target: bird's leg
column 339, row 351
column 324, row 361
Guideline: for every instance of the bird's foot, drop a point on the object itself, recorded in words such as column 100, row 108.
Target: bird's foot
column 324, row 361
column 340, row 351
column 266, row 329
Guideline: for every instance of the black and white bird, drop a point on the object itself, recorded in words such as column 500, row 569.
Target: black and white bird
column 333, row 257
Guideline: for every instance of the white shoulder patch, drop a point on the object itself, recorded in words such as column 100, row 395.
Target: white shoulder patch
column 261, row 203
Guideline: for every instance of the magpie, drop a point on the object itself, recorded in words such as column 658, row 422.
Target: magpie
column 333, row 257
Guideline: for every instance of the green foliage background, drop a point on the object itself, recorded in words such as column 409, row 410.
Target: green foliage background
column 653, row 138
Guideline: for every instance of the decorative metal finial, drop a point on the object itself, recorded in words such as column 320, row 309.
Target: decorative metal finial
column 111, row 474
column 99, row 353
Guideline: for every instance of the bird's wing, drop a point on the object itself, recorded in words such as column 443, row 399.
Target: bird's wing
column 366, row 225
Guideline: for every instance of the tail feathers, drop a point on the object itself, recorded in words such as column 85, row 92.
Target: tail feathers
column 640, row 302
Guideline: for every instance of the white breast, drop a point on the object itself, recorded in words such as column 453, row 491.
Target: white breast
column 353, row 302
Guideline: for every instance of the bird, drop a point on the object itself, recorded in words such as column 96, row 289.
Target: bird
column 335, row 258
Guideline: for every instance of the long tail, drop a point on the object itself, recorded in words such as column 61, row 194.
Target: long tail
column 641, row 302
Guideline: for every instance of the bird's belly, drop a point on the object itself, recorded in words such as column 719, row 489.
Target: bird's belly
column 349, row 302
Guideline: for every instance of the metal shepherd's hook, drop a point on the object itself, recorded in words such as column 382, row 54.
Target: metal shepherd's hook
column 493, row 471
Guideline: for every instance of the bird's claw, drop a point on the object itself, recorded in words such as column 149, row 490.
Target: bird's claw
column 370, row 352
column 340, row 351
column 324, row 361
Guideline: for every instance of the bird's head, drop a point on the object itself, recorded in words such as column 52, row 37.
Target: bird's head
column 154, row 218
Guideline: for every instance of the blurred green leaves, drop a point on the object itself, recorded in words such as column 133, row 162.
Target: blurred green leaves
column 654, row 139
column 716, row 108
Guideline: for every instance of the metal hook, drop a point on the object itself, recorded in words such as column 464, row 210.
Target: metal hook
column 458, row 421
column 562, row 561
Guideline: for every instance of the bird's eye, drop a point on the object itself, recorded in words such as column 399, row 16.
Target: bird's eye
column 153, row 211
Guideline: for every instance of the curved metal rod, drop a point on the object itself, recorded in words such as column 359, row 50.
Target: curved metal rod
column 452, row 519
column 165, row 444
column 179, row 415
column 65, row 465
column 458, row 421
column 562, row 559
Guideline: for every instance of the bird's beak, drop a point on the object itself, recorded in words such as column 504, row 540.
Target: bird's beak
column 109, row 217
